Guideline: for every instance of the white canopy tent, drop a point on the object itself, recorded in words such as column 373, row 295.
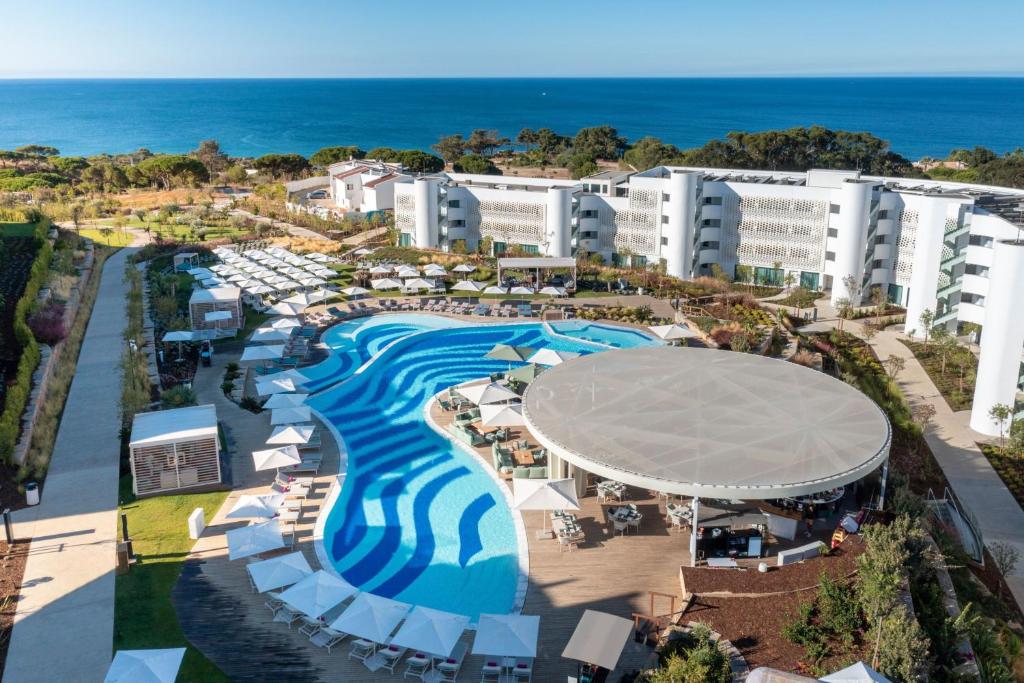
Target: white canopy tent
column 282, row 308
column 498, row 415
column 544, row 494
column 672, row 332
column 431, row 631
column 380, row 270
column 467, row 286
column 277, row 572
column 291, row 434
column 145, row 666
column 483, row 394
column 261, row 507
column 254, row 540
column 506, row 635
column 599, row 639
column 317, row 593
column 494, row 289
column 419, row 283
column 553, row 291
column 520, row 290
column 386, row 283
column 269, row 334
column 355, row 291
column 262, row 353
column 284, row 416
column 285, row 401
column 274, row 458
column 371, row 617
column 463, row 268
column 856, row 673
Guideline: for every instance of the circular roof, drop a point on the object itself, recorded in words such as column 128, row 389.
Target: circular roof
column 703, row 422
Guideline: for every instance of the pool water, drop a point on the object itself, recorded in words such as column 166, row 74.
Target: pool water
column 618, row 337
column 418, row 519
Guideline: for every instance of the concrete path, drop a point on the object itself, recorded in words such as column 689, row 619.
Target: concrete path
column 64, row 626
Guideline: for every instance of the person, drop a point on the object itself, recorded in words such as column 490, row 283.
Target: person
column 809, row 519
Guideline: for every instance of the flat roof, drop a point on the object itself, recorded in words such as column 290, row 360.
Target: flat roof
column 177, row 424
column 200, row 296
column 537, row 262
column 703, row 422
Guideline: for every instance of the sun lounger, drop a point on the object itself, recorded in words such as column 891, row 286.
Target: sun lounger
column 362, row 650
column 309, row 625
column 522, row 671
column 392, row 655
column 327, row 638
column 287, row 615
column 286, row 480
column 449, row 668
column 416, row 665
column 289, row 490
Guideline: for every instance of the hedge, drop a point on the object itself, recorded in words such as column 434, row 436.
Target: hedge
column 18, row 392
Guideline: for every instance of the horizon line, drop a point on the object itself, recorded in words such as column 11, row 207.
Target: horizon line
column 808, row 76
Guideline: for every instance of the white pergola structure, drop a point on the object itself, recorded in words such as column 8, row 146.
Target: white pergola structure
column 174, row 449
column 537, row 264
column 706, row 423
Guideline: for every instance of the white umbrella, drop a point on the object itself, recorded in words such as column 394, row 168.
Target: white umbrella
column 672, row 332
column 302, row 299
column 282, row 308
column 386, row 283
column 215, row 316
column 379, row 270
column 549, row 356
column 285, row 401
column 287, row 286
column 294, row 375
column 497, row 415
column 283, row 416
column 506, row 635
column 362, row 251
column 482, row 394
column 318, row 593
column 371, row 617
column 599, row 639
column 467, row 286
column 269, row 334
column 494, row 289
column 279, row 571
column 419, row 283
column 274, row 458
column 253, row 540
column 463, row 268
column 406, row 273
column 430, row 630
column 856, row 673
column 264, row 506
column 292, row 434
column 435, row 270
column 283, row 323
column 355, row 291
column 201, row 273
column 274, row 384
column 260, row 289
column 323, row 295
column 145, row 666
column 544, row 494
column 179, row 336
column 553, row 291
column 269, row 352
column 521, row 290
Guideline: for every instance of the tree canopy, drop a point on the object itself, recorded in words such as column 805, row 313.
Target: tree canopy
column 450, row 147
column 419, row 162
column 326, row 156
column 282, row 165
column 599, row 142
column 168, row 169
column 212, row 156
column 476, row 163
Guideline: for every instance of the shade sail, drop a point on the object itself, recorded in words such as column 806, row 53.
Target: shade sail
column 283, row 416
column 371, row 617
column 273, row 458
column 482, row 394
column 856, row 673
column 509, row 353
column 145, row 666
column 431, row 631
column 708, row 423
column 279, row 571
column 498, row 415
column 292, row 434
column 253, row 540
column 506, row 635
column 599, row 639
column 544, row 494
column 249, row 506
column 672, row 332
column 285, row 401
column 267, row 352
column 317, row 593
column 549, row 356
column 467, row 286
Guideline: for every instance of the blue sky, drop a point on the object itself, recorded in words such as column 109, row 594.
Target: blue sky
column 321, row 38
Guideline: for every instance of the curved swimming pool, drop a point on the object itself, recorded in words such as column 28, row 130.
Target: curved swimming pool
column 419, row 519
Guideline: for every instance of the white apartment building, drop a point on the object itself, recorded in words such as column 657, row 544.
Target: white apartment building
column 365, row 186
column 945, row 247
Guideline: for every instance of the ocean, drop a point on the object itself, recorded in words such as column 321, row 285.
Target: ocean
column 919, row 116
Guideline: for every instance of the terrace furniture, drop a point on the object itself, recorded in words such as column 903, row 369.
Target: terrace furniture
column 521, row 473
column 290, row 491
column 309, row 625
column 392, row 655
column 618, row 527
column 490, row 672
column 273, row 602
column 449, row 668
column 538, row 472
column 362, row 650
column 522, row 671
column 287, row 615
column 522, row 457
column 416, row 666
column 445, row 405
column 327, row 638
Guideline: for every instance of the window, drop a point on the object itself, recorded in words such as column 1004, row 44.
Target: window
column 883, row 214
column 664, row 241
column 713, row 201
column 711, row 223
column 830, row 256
column 878, row 263
column 833, row 232
column 457, row 223
column 896, row 294
column 588, row 213
column 638, row 261
column 404, row 239
column 664, row 196
column 529, row 248
column 980, row 241
column 664, row 220
column 588, row 235
column 771, row 277
column 880, row 239
column 453, row 203
column 348, row 186
column 809, row 281
column 833, row 208
column 499, row 248
column 975, row 269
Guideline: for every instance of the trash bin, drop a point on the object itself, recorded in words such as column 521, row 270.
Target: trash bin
column 32, row 493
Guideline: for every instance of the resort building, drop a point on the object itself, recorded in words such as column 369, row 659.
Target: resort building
column 218, row 308
column 364, row 186
column 942, row 247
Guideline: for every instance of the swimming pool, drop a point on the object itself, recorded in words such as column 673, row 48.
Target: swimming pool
column 617, row 337
column 419, row 519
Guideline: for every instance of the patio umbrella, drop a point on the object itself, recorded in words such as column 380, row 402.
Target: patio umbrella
column 283, row 324
column 371, row 617
column 407, row 273
column 434, row 270
column 483, row 394
column 200, row 273
column 253, row 540
column 506, row 635
column 216, row 316
column 269, row 334
column 274, row 458
column 279, row 571
column 527, row 373
column 294, row 434
column 498, row 415
column 494, row 289
column 379, row 270
column 259, row 289
column 463, row 268
column 301, row 299
column 237, row 279
column 283, row 416
column 264, row 506
column 599, row 639
column 553, row 291
column 318, row 593
column 286, row 309
column 285, row 401
column 179, row 336
column 274, row 384
column 544, row 494
column 672, row 332
column 548, row 356
column 312, row 281
column 269, row 352
column 430, row 630
column 355, row 291
column 521, row 290
column 145, row 666
column 294, row 375
column 362, row 251
column 467, row 286
column 320, row 295
column 510, row 353
column 386, row 283
column 419, row 283
column 856, row 673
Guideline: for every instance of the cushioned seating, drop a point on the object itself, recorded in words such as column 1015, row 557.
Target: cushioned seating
column 538, row 472
column 466, row 436
column 521, row 473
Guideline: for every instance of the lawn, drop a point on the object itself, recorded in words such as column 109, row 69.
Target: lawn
column 800, row 298
column 955, row 380
column 143, row 614
column 17, row 229
column 253, row 319
column 111, row 238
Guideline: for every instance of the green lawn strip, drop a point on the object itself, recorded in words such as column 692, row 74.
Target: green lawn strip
column 17, row 229
column 143, row 614
column 956, row 384
column 111, row 238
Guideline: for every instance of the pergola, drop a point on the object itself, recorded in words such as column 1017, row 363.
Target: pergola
column 537, row 264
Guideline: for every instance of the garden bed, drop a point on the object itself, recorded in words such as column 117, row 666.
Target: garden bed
column 12, row 569
column 1009, row 466
column 955, row 377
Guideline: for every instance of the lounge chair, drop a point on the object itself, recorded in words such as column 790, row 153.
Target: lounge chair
column 286, row 480
column 309, row 625
column 523, row 671
column 416, row 666
column 362, row 650
column 289, row 490
column 327, row 638
column 450, row 667
column 490, row 672
column 287, row 615
column 392, row 655
column 273, row 602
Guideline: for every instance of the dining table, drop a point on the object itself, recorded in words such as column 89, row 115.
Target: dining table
column 523, row 457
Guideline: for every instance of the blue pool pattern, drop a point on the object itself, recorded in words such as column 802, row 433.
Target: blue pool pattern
column 419, row 519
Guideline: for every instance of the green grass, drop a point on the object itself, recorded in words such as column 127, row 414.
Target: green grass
column 955, row 381
column 143, row 614
column 253, row 319
column 17, row 229
column 112, row 238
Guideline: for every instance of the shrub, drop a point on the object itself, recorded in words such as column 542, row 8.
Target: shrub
column 47, row 324
column 251, row 404
column 227, row 387
column 178, row 397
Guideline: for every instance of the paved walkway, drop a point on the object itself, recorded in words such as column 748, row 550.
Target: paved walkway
column 64, row 626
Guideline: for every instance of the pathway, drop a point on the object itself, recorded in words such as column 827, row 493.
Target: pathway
column 64, row 625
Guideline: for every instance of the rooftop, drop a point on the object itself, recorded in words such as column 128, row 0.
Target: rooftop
column 178, row 424
column 215, row 294
column 703, row 422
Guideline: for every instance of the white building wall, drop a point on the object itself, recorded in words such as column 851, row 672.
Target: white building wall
column 854, row 199
column 427, row 229
column 933, row 213
column 678, row 233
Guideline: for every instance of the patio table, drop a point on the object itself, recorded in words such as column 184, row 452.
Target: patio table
column 523, row 457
